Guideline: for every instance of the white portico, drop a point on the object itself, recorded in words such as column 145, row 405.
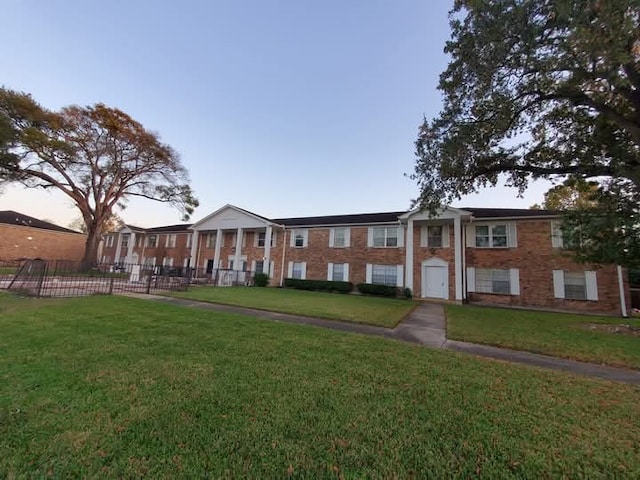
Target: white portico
column 238, row 221
column 428, row 246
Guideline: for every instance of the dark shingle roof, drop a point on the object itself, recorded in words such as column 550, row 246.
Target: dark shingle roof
column 508, row 212
column 359, row 218
column 10, row 217
column 181, row 227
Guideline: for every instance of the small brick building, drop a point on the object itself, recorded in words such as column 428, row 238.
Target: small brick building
column 22, row 236
column 511, row 257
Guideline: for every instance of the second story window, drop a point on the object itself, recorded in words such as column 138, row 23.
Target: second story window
column 385, row 236
column 152, row 241
column 124, row 242
column 491, row 236
column 171, row 241
column 108, row 241
column 299, row 237
column 339, row 237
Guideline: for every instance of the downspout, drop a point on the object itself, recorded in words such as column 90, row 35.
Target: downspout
column 623, row 302
column 463, row 238
column 284, row 244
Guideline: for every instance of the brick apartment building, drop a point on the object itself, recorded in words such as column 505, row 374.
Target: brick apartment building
column 511, row 257
column 22, row 236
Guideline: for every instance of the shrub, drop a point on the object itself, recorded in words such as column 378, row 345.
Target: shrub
column 407, row 293
column 318, row 285
column 381, row 290
column 260, row 280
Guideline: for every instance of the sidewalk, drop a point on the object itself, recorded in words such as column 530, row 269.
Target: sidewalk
column 426, row 325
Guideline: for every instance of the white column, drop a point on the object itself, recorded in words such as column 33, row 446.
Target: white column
column 216, row 253
column 132, row 243
column 267, row 251
column 195, row 239
column 118, row 249
column 457, row 242
column 408, row 271
column 236, row 259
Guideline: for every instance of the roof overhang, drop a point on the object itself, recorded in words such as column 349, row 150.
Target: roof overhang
column 445, row 213
column 231, row 217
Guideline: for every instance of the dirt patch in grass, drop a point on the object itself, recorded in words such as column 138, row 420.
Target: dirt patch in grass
column 614, row 329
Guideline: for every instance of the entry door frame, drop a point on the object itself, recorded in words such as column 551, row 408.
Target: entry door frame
column 435, row 262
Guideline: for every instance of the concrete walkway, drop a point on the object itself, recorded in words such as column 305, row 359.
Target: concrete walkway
column 425, row 325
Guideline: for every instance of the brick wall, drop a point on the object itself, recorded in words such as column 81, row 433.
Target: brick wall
column 27, row 242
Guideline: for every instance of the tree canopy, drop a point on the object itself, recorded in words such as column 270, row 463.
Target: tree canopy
column 572, row 194
column 98, row 156
column 536, row 89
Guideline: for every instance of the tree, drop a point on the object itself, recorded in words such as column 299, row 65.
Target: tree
column 111, row 224
column 98, row 156
column 572, row 194
column 535, row 89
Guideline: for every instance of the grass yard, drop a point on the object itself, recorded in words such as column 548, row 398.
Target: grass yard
column 558, row 334
column 118, row 387
column 384, row 312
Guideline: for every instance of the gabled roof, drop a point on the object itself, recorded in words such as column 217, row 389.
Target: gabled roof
column 510, row 212
column 9, row 217
column 228, row 206
column 358, row 218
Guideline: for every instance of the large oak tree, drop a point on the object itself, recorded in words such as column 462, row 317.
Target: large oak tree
column 538, row 89
column 98, row 156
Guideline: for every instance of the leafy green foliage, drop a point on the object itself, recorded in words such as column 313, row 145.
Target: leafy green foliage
column 375, row 289
column 572, row 194
column 98, row 156
column 261, row 280
column 122, row 388
column 318, row 285
column 537, row 89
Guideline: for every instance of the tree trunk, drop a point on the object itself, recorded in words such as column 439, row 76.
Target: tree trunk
column 90, row 259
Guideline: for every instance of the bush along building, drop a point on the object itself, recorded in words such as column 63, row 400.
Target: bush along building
column 510, row 257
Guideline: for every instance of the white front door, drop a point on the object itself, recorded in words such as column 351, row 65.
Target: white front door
column 435, row 282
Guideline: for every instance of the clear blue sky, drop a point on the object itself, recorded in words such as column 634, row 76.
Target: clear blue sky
column 285, row 108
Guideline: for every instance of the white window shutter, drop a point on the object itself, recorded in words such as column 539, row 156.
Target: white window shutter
column 445, row 236
column 346, row 272
column 512, row 239
column 332, row 234
column 255, row 238
column 347, row 237
column 471, row 279
column 471, row 235
column 305, row 236
column 272, row 269
column 330, row 271
column 369, row 273
column 556, row 234
column 290, row 270
column 304, row 270
column 292, row 238
column 424, row 236
column 558, row 283
column 253, row 265
column 514, row 281
column 401, row 236
column 274, row 238
column 400, row 277
column 591, row 283
column 370, row 238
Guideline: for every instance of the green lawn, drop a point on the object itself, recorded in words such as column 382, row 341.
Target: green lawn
column 559, row 334
column 119, row 388
column 385, row 312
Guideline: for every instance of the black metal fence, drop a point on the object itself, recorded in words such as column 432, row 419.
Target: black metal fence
column 64, row 278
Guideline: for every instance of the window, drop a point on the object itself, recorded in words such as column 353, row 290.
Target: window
column 337, row 275
column 152, row 241
column 492, row 281
column 124, row 241
column 171, row 241
column 434, row 236
column 299, row 237
column 575, row 286
column 259, row 266
column 108, row 241
column 297, row 270
column 210, row 242
column 384, row 274
column 261, row 238
column 385, row 236
column 491, row 236
column 339, row 237
column 167, row 262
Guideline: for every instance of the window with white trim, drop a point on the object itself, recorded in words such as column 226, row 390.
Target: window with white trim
column 210, row 241
column 152, row 241
column 575, row 286
column 385, row 236
column 434, row 236
column 261, row 238
column 492, row 280
column 124, row 240
column 340, row 237
column 297, row 270
column 259, row 266
column 299, row 237
column 108, row 241
column 337, row 275
column 167, row 262
column 384, row 274
column 171, row 240
column 491, row 236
